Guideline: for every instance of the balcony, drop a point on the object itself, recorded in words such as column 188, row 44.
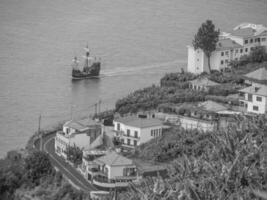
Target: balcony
column 113, row 183
column 130, row 136
column 97, row 172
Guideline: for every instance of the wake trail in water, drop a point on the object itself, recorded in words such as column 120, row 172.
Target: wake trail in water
column 124, row 71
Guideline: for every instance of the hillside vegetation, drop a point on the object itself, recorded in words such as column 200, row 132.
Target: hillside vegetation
column 207, row 166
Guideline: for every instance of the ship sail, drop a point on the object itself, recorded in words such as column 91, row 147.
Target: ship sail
column 75, row 63
column 91, row 67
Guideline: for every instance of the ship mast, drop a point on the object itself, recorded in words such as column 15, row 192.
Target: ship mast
column 87, row 54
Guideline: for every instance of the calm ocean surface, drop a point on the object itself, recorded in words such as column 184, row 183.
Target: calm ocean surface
column 138, row 41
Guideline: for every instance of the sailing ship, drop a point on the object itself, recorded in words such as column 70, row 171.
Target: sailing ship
column 90, row 69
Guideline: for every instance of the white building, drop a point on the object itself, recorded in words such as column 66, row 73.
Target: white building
column 231, row 46
column 79, row 133
column 202, row 84
column 254, row 98
column 132, row 131
column 110, row 170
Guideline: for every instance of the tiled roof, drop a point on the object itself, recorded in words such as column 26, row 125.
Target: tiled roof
column 249, row 30
column 263, row 33
column 257, row 89
column 226, row 44
column 203, row 82
column 244, row 32
column 81, row 124
column 212, row 106
column 259, row 74
column 112, row 158
column 139, row 122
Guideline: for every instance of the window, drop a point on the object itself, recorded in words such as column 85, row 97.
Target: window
column 128, row 141
column 118, row 126
column 221, row 62
column 135, row 134
column 128, row 132
column 256, row 108
column 222, row 54
column 226, row 61
column 236, row 51
column 249, row 97
column 251, row 40
column 263, row 39
column 258, row 99
column 152, row 132
column 227, row 53
column 251, row 48
column 135, row 143
column 246, row 49
column 67, row 130
column 241, row 50
column 246, row 41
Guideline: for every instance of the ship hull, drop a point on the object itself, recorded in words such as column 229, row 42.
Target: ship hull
column 92, row 72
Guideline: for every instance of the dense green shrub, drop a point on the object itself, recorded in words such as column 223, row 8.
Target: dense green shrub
column 223, row 90
column 258, row 54
column 222, row 99
column 37, row 165
column 150, row 97
column 177, row 79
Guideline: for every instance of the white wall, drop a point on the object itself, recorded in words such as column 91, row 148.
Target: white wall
column 261, row 105
column 115, row 171
column 191, row 123
column 195, row 60
column 144, row 134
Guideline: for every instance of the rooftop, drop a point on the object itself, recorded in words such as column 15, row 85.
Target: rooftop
column 226, row 44
column 81, row 125
column 112, row 158
column 139, row 122
column 204, row 82
column 259, row 74
column 212, row 106
column 249, row 30
column 256, row 89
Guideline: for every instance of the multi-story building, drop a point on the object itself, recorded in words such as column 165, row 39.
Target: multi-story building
column 254, row 98
column 132, row 130
column 231, row 46
column 79, row 133
column 107, row 170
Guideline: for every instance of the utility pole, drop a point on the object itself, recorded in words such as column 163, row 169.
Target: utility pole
column 39, row 133
column 99, row 106
column 96, row 109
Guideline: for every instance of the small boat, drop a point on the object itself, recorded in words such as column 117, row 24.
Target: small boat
column 91, row 67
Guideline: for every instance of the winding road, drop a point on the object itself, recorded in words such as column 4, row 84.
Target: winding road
column 71, row 173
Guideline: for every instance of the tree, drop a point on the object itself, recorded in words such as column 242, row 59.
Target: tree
column 38, row 165
column 206, row 39
column 74, row 154
column 258, row 54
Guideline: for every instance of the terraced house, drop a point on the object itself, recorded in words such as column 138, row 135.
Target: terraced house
column 107, row 170
column 231, row 46
column 132, row 130
column 80, row 133
column 254, row 98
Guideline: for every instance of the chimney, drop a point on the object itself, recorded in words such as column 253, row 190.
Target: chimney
column 257, row 89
